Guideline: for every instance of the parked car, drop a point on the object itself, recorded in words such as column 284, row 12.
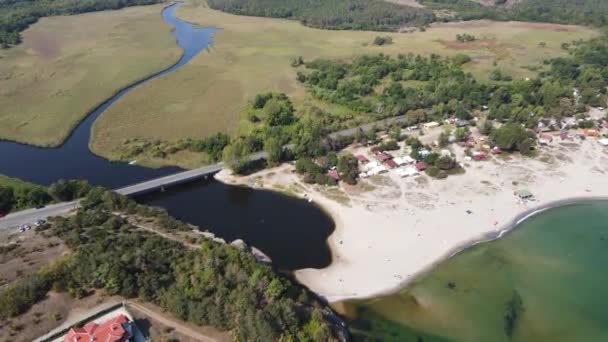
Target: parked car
column 40, row 222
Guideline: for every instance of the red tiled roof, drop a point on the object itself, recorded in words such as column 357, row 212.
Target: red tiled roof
column 333, row 174
column 381, row 156
column 109, row 331
column 362, row 158
column 420, row 166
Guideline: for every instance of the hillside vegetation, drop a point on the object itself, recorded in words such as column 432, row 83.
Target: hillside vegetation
column 213, row 284
column 373, row 15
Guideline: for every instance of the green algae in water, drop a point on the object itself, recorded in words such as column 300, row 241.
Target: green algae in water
column 545, row 281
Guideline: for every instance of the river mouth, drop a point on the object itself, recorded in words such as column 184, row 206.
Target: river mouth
column 290, row 231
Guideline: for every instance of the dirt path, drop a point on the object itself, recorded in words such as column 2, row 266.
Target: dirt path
column 171, row 322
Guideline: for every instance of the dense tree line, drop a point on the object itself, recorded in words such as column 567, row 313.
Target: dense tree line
column 22, row 197
column 584, row 12
column 215, row 284
column 17, row 15
column 376, row 15
column 378, row 86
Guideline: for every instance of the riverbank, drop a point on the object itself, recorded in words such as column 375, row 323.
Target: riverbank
column 390, row 230
column 51, row 82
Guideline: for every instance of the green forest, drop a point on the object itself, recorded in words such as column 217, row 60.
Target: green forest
column 583, row 12
column 375, row 15
column 215, row 284
column 17, row 15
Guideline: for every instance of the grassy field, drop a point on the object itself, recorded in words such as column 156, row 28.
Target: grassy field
column 251, row 55
column 67, row 65
column 15, row 183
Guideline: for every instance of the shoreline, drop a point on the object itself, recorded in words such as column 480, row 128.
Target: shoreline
column 390, row 230
column 510, row 227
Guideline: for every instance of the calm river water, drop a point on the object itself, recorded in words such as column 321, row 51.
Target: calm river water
column 292, row 232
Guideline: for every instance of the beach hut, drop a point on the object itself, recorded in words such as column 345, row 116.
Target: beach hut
column 382, row 156
column 407, row 172
column 334, row 174
column 390, row 164
column 524, row 194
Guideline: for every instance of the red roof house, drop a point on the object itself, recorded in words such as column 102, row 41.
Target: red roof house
column 381, row 156
column 334, row 174
column 496, row 150
column 111, row 330
column 592, row 132
column 390, row 164
column 479, row 155
column 420, row 166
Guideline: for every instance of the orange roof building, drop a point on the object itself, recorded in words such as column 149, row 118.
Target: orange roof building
column 112, row 330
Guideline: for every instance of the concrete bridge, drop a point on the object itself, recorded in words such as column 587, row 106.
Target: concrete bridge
column 30, row 216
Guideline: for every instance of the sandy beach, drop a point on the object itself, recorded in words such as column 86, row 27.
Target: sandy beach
column 391, row 229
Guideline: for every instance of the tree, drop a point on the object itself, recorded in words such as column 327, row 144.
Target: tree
column 461, row 133
column 511, row 137
column 462, row 113
column 348, row 168
column 273, row 147
column 444, row 139
column 236, row 155
column 486, row 127
column 7, row 199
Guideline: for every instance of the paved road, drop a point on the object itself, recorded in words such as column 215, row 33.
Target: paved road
column 30, row 216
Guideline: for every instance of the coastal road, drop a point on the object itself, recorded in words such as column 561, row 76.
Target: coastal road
column 30, row 216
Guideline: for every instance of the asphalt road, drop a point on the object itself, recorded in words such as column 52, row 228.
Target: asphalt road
column 30, row 216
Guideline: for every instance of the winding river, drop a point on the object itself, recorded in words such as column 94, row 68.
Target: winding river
column 291, row 231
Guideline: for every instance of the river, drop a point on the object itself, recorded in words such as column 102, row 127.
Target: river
column 292, row 232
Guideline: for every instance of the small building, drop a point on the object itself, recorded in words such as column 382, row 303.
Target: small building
column 603, row 142
column 546, row 137
column 565, row 136
column 591, row 132
column 390, row 164
column 334, row 174
column 431, row 124
column 420, row 166
column 496, row 150
column 382, row 156
column 423, row 153
column 407, row 172
column 362, row 159
column 404, row 160
column 524, row 194
column 462, row 123
column 478, row 155
column 377, row 170
column 116, row 329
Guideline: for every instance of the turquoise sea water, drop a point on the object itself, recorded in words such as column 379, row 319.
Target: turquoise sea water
column 545, row 281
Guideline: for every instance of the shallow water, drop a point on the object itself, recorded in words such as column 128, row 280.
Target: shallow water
column 555, row 262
